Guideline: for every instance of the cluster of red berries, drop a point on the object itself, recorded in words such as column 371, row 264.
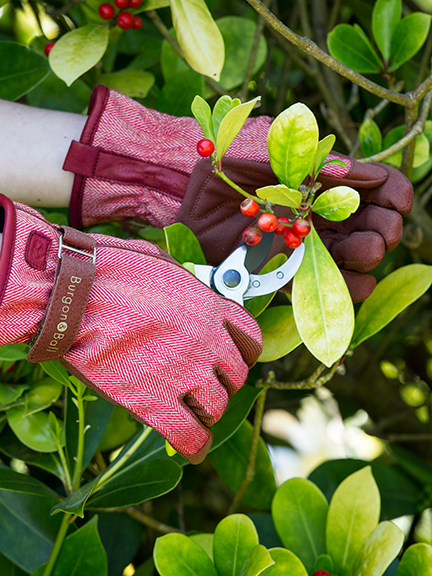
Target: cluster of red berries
column 321, row 573
column 125, row 20
column 269, row 223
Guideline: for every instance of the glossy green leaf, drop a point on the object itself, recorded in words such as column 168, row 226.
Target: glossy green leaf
column 417, row 561
column 78, row 51
column 27, row 531
column 202, row 112
column 223, row 105
column 323, row 150
column 76, row 501
column 196, row 28
column 41, row 395
column 232, row 124
column 323, row 562
column 279, row 332
column 177, row 95
column 258, row 304
column 10, row 393
column 53, row 94
column 230, row 461
column 299, row 512
column 238, row 34
column 385, row 18
column 33, row 431
column 234, row 538
column 153, row 5
column 370, row 137
column 349, row 45
column 280, row 194
column 285, row 563
column 409, row 36
column 292, row 143
column 21, row 70
column 13, row 352
column 183, row 245
column 178, row 555
column 258, row 560
column 378, row 551
column 120, row 429
column 415, row 465
column 55, row 369
column 353, row 515
column 133, row 83
column 421, row 151
column 390, row 297
column 82, row 553
column 205, row 541
column 337, row 203
column 7, row 568
column 322, row 305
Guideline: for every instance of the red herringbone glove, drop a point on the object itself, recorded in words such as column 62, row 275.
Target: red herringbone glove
column 134, row 325
column 136, row 163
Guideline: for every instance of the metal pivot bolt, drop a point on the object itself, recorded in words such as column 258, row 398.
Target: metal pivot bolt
column 231, row 278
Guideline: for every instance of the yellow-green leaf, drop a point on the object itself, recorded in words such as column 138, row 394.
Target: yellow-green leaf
column 199, row 37
column 232, row 124
column 285, row 564
column 280, row 194
column 292, row 144
column 258, row 560
column 324, row 148
column 417, row 561
column 323, row 308
column 78, row 51
column 279, row 332
column 258, row 304
column 337, row 203
column 379, row 550
column 133, row 83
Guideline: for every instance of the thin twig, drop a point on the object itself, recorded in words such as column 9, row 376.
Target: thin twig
column 425, row 58
column 157, row 21
column 411, row 116
column 315, row 380
column 145, row 519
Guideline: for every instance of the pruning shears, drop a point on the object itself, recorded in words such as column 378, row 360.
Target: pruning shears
column 234, row 277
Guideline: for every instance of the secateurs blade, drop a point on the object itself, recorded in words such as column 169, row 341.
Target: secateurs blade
column 233, row 278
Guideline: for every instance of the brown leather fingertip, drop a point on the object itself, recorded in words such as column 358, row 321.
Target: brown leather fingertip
column 224, row 379
column 249, row 348
column 360, row 286
column 201, row 455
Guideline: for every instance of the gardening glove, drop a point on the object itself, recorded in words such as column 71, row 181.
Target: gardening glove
column 136, row 163
column 128, row 321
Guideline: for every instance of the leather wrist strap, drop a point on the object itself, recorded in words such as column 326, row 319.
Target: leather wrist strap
column 75, row 275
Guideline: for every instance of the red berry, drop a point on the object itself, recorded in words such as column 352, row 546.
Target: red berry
column 137, row 23
column 121, row 4
column 301, row 227
column 267, row 222
column 48, row 47
column 135, row 3
column 321, row 573
column 280, row 228
column 291, row 239
column 205, row 147
column 125, row 20
column 252, row 235
column 106, row 11
column 249, row 207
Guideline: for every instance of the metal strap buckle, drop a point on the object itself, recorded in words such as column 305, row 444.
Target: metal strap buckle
column 64, row 247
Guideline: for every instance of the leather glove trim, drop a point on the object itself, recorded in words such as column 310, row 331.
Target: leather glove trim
column 8, row 227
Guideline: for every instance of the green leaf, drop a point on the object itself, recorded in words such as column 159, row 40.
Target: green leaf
column 153, row 5
column 196, row 28
column 120, row 429
column 299, row 512
column 177, row 95
column 133, row 83
column 55, row 369
column 232, row 124
column 350, row 46
column 53, row 94
column 416, row 466
column 205, row 541
column 234, row 538
column 78, row 51
column 293, row 144
column 421, row 151
column 258, row 304
column 13, row 352
column 279, row 332
column 178, row 555
column 385, row 18
column 258, row 560
column 323, row 150
column 183, row 245
column 280, row 194
column 202, row 112
column 238, row 34
column 21, row 70
column 41, row 395
column 7, row 568
column 390, row 297
column 230, row 461
column 323, row 562
column 409, row 36
column 379, row 550
column 33, row 431
column 285, row 563
column 322, row 305
column 81, row 553
column 10, row 393
column 417, row 561
column 337, row 203
column 353, row 515
column 27, row 531
column 223, row 105
column 370, row 137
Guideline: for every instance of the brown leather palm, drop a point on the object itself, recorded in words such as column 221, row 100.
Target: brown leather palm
column 211, row 209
